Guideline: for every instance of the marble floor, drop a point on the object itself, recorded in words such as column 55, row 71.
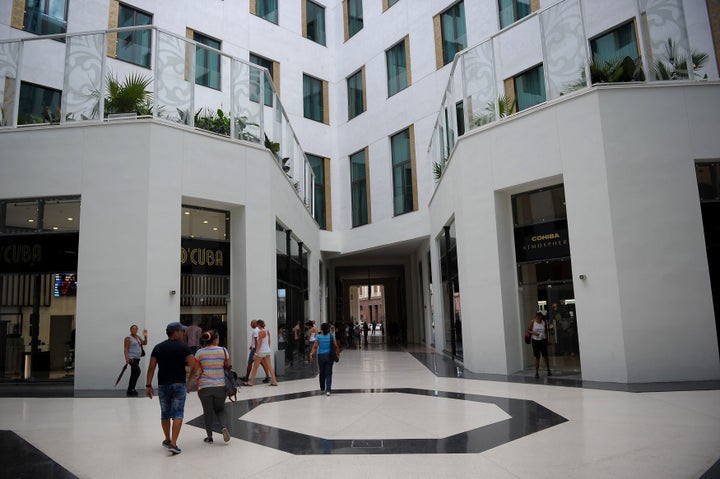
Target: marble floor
column 392, row 414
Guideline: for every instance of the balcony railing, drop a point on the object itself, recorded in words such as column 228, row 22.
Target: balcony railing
column 85, row 68
column 474, row 96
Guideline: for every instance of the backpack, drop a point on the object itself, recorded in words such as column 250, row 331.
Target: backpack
column 231, row 384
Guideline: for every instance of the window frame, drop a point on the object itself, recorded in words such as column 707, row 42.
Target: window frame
column 271, row 15
column 33, row 113
column 359, row 191
column 42, row 17
column 318, row 165
column 516, row 15
column 134, row 37
column 207, row 54
column 400, row 81
column 614, row 31
column 317, row 95
column 318, row 33
column 458, row 45
column 518, row 105
column 353, row 20
column 400, row 168
column 353, row 93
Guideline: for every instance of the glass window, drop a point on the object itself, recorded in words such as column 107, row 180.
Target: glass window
column 390, row 3
column 396, row 68
column 402, row 173
column 46, row 214
column 513, row 10
column 615, row 45
column 313, row 107
column 358, row 189
column 530, row 88
column 205, row 223
column 317, row 164
column 263, row 62
column 315, row 22
column 134, row 47
column 207, row 62
column 356, row 95
column 460, row 116
column 38, row 104
column 540, row 206
column 355, row 16
column 708, row 178
column 268, row 9
column 61, row 215
column 454, row 35
column 45, row 17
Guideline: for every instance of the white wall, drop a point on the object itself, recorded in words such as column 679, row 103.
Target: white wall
column 626, row 159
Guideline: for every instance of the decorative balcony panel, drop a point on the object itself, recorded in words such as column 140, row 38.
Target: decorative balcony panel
column 83, row 77
column 174, row 79
column 665, row 40
column 565, row 50
column 10, row 54
column 478, row 74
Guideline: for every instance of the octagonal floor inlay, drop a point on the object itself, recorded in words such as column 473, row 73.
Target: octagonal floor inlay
column 377, row 416
column 523, row 417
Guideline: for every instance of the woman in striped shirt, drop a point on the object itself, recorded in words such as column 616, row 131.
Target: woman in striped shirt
column 211, row 362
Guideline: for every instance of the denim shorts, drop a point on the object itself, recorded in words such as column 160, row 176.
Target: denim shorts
column 172, row 400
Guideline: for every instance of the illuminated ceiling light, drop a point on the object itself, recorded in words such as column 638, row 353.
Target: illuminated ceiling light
column 214, row 228
column 187, row 212
column 54, row 227
column 206, row 222
column 31, row 221
column 70, row 218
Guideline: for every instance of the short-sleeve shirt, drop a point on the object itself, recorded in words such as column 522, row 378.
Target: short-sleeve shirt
column 170, row 356
column 324, row 343
column 212, row 360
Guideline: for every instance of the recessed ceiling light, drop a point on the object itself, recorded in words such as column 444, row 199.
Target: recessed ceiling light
column 214, row 228
column 54, row 227
column 187, row 212
column 206, row 222
column 70, row 218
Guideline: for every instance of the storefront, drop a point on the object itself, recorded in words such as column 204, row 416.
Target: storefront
column 38, row 287
column 544, row 271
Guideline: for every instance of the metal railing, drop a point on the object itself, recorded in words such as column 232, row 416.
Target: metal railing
column 474, row 96
column 88, row 69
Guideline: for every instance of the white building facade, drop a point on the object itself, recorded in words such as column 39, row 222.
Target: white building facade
column 475, row 192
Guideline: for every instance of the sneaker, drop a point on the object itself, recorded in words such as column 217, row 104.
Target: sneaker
column 166, row 443
column 327, row 393
column 174, row 449
column 208, row 440
column 266, row 380
column 226, row 434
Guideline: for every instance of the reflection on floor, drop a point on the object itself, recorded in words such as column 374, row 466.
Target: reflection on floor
column 393, row 413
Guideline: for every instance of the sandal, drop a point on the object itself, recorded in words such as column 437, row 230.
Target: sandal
column 273, row 384
column 247, row 384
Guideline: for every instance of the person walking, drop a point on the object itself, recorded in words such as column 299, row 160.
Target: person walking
column 325, row 341
column 133, row 350
column 539, row 331
column 170, row 357
column 209, row 367
column 262, row 355
column 193, row 336
column 255, row 331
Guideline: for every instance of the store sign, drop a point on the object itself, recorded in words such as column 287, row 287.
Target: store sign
column 205, row 257
column 542, row 241
column 39, row 253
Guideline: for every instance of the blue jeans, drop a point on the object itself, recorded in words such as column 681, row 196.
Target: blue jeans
column 325, row 363
column 172, row 401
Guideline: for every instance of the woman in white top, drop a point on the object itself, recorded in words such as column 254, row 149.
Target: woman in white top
column 262, row 355
column 538, row 329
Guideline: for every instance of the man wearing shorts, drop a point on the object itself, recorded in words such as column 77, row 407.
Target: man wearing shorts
column 171, row 356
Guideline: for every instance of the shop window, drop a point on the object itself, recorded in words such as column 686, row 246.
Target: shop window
column 134, row 46
column 356, row 93
column 539, row 206
column 205, row 223
column 314, row 22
